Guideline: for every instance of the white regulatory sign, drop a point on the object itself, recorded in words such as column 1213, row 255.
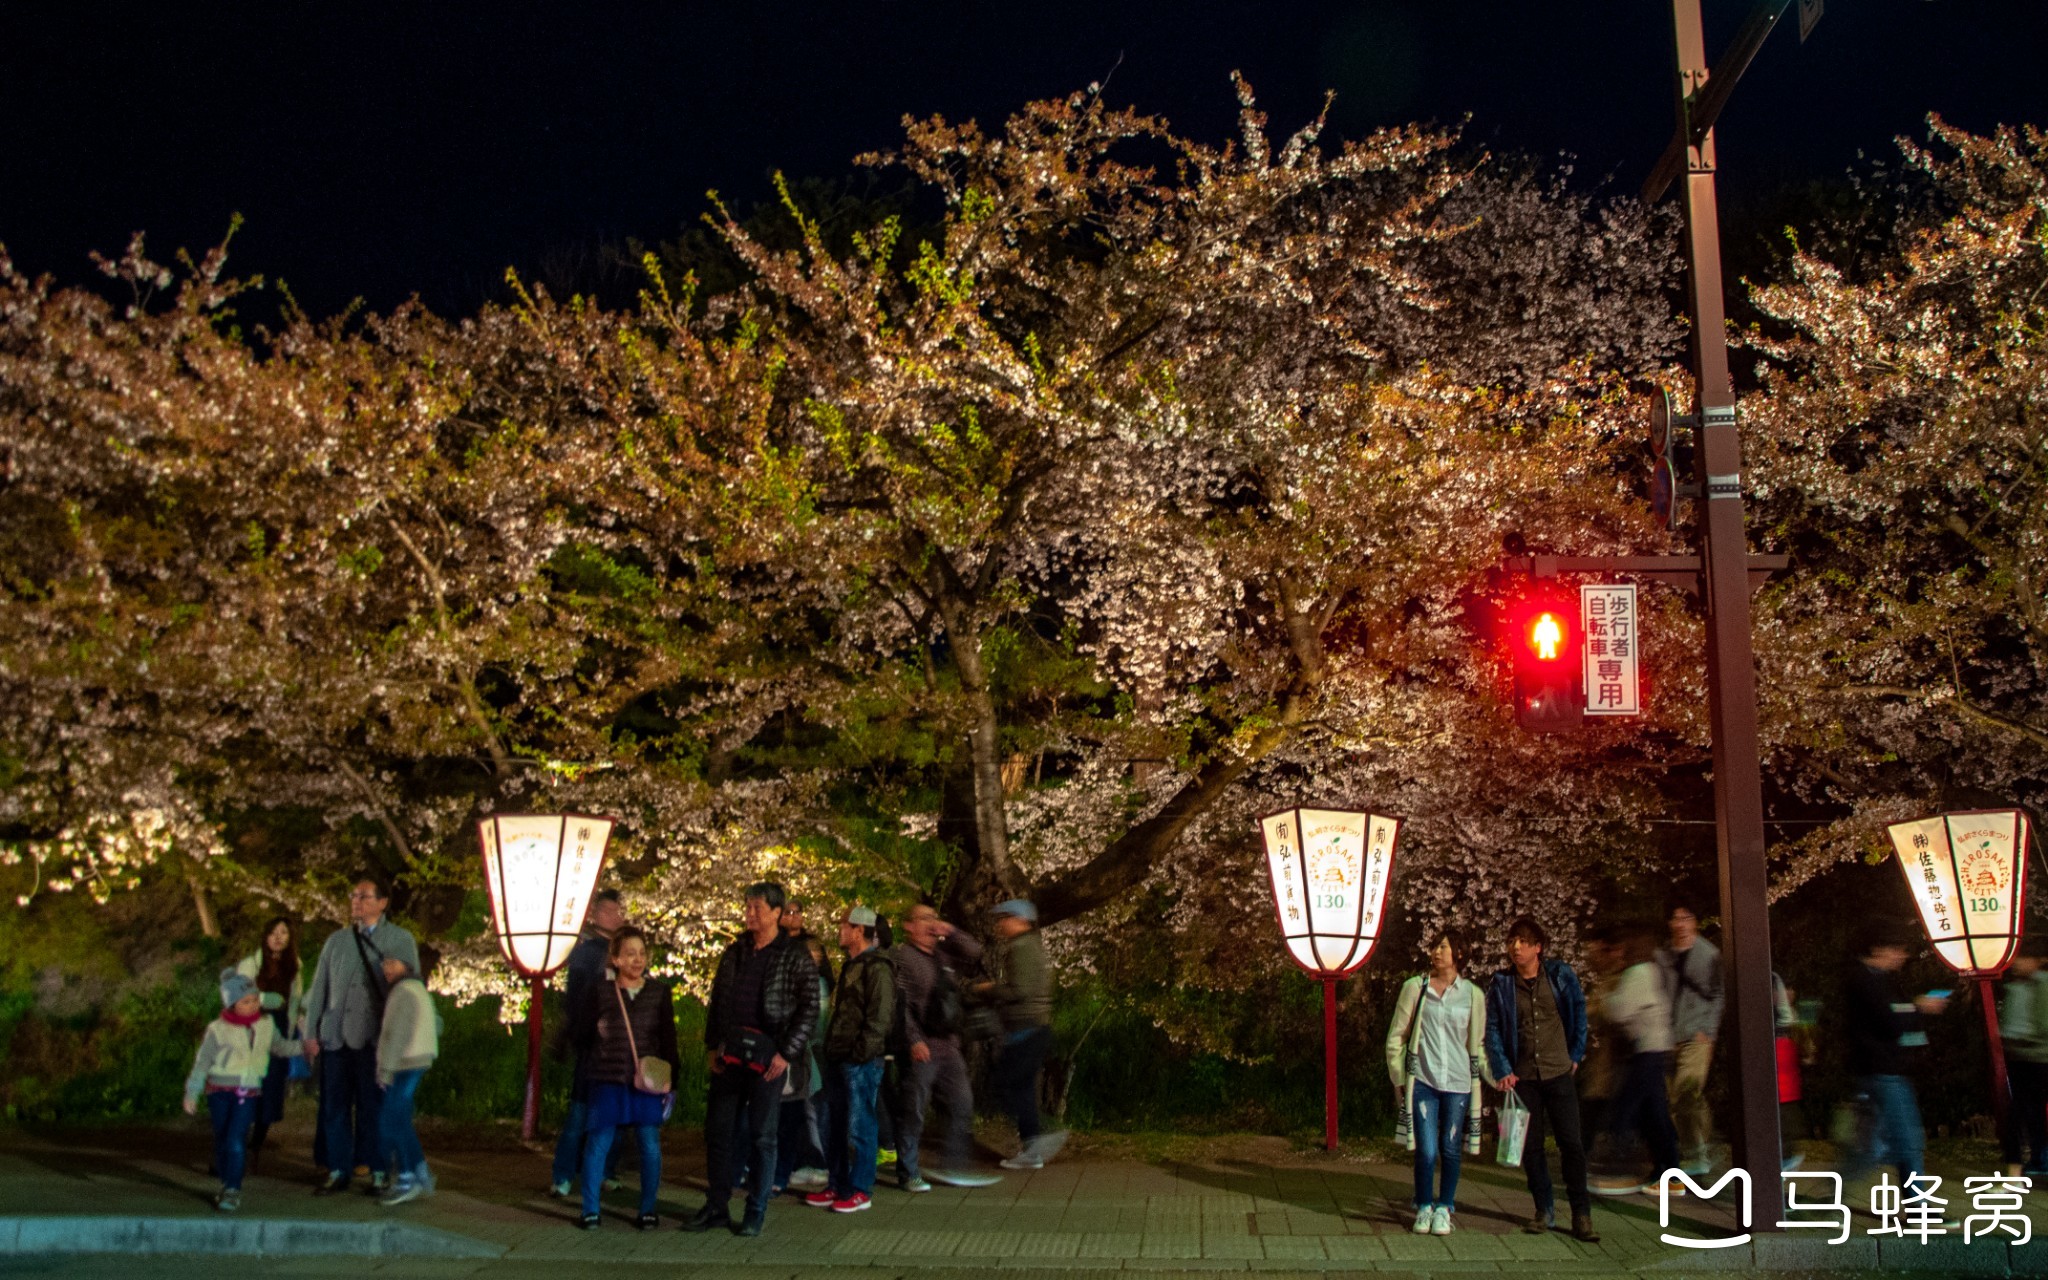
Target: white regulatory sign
column 1607, row 616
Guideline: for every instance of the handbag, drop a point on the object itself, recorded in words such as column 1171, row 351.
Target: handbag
column 749, row 1047
column 1514, row 1129
column 650, row 1075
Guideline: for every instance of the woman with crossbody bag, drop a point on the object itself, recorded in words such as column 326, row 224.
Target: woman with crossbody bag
column 1436, row 1058
column 626, row 1033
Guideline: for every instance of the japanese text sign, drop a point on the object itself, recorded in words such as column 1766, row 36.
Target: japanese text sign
column 1608, row 620
column 1964, row 871
column 541, row 870
column 1329, row 869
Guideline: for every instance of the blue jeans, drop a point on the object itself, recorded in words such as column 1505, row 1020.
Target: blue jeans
column 1642, row 1106
column 231, row 1117
column 1439, row 1144
column 597, row 1146
column 569, row 1146
column 348, row 1092
column 1017, row 1068
column 401, row 1145
column 853, row 1088
column 1891, row 1131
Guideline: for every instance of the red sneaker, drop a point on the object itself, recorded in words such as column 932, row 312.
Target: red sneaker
column 853, row 1204
column 821, row 1200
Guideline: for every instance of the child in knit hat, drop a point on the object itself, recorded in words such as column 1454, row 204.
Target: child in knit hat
column 234, row 1056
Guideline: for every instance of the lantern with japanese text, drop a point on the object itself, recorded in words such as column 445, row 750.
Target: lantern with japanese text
column 1967, row 874
column 540, row 871
column 1329, row 869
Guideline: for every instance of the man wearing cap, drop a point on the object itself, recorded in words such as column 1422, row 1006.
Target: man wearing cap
column 857, row 1037
column 930, row 1039
column 589, row 966
column 1023, row 996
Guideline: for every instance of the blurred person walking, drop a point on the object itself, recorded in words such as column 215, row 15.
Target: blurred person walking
column 928, row 994
column 234, row 1056
column 625, row 1037
column 1436, row 1056
column 274, row 967
column 407, row 1045
column 344, row 1015
column 2023, row 1021
column 1639, row 1009
column 1883, row 1032
column 1692, row 983
column 1535, row 1038
column 589, row 965
column 1023, row 998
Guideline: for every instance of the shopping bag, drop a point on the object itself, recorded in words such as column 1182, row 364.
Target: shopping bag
column 1514, row 1129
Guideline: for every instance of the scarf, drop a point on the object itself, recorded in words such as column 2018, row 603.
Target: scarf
column 234, row 1019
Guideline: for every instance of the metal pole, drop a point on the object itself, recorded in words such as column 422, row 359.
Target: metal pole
column 1731, row 666
column 530, row 1121
column 1330, row 1064
column 2001, row 1089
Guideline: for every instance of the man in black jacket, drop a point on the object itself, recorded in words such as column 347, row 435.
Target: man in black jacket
column 764, row 1003
column 1881, row 1028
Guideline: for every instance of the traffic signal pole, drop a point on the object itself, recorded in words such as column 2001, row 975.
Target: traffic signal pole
column 1749, row 1025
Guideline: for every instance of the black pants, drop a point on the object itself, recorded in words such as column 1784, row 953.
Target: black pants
column 1554, row 1108
column 1017, row 1066
column 1641, row 1107
column 2029, row 1116
column 350, row 1105
column 736, row 1091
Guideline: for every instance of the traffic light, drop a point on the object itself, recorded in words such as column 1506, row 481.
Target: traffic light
column 1550, row 676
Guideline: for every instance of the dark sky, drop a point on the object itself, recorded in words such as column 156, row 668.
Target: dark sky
column 379, row 149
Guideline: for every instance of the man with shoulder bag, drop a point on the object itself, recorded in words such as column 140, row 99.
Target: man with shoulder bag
column 764, row 1004
column 344, row 1017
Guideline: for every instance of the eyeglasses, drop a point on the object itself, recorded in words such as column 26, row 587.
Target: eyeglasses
column 360, row 896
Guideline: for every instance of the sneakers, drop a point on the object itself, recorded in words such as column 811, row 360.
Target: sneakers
column 229, row 1199
column 884, row 1157
column 853, row 1204
column 380, row 1182
column 1614, row 1184
column 404, row 1190
column 1440, row 1225
column 1022, row 1160
column 821, row 1199
column 647, row 1222
column 332, row 1184
column 808, row 1179
column 962, row 1178
column 913, row 1184
column 560, row 1190
column 1037, row 1151
column 1425, row 1219
column 588, row 1222
column 613, row 1184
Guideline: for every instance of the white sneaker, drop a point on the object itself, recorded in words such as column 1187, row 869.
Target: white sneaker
column 1022, row 1160
column 1440, row 1225
column 1425, row 1219
column 808, row 1178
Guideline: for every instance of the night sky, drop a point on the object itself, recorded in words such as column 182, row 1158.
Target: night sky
column 383, row 149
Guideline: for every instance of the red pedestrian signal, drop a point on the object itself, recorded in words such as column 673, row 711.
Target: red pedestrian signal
column 1550, row 683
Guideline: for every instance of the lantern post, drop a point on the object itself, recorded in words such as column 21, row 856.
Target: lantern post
column 1329, row 870
column 1968, row 878
column 540, row 871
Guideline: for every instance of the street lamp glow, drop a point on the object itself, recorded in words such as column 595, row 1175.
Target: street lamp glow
column 1329, row 870
column 1964, row 871
column 540, row 870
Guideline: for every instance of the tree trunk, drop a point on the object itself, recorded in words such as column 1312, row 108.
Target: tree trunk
column 208, row 924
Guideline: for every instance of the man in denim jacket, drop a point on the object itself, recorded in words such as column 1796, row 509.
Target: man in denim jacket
column 1535, row 1039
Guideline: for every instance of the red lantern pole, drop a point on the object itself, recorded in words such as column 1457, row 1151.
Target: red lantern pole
column 530, row 1121
column 1330, row 1064
column 2000, row 1089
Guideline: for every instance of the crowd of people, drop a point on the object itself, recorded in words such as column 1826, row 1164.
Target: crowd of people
column 1615, row 1072
column 814, row 1078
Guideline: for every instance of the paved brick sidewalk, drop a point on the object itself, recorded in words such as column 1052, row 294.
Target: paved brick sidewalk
column 1249, row 1204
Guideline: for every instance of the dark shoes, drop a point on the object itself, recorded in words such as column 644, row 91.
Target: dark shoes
column 1582, row 1228
column 1538, row 1225
column 589, row 1221
column 751, row 1224
column 708, row 1217
column 647, row 1222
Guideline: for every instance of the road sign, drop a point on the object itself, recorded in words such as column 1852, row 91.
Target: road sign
column 1608, row 620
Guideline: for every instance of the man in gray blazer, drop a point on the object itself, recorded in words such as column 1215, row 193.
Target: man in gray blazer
column 344, row 1013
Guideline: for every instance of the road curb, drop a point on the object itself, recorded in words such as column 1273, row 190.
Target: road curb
column 267, row 1237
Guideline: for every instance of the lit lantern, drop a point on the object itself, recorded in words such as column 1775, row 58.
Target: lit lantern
column 1964, row 872
column 540, row 871
column 1329, row 869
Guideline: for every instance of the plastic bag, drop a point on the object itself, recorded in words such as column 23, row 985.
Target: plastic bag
column 1514, row 1129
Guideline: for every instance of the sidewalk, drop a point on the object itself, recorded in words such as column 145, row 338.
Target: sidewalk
column 1244, row 1204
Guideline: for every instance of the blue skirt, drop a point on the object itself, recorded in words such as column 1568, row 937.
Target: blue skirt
column 612, row 1105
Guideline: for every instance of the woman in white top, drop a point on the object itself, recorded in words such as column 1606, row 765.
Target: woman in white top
column 1641, row 1010
column 1436, row 1056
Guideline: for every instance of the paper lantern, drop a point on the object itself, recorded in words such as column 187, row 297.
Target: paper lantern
column 1329, row 869
column 540, row 870
column 1965, row 873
